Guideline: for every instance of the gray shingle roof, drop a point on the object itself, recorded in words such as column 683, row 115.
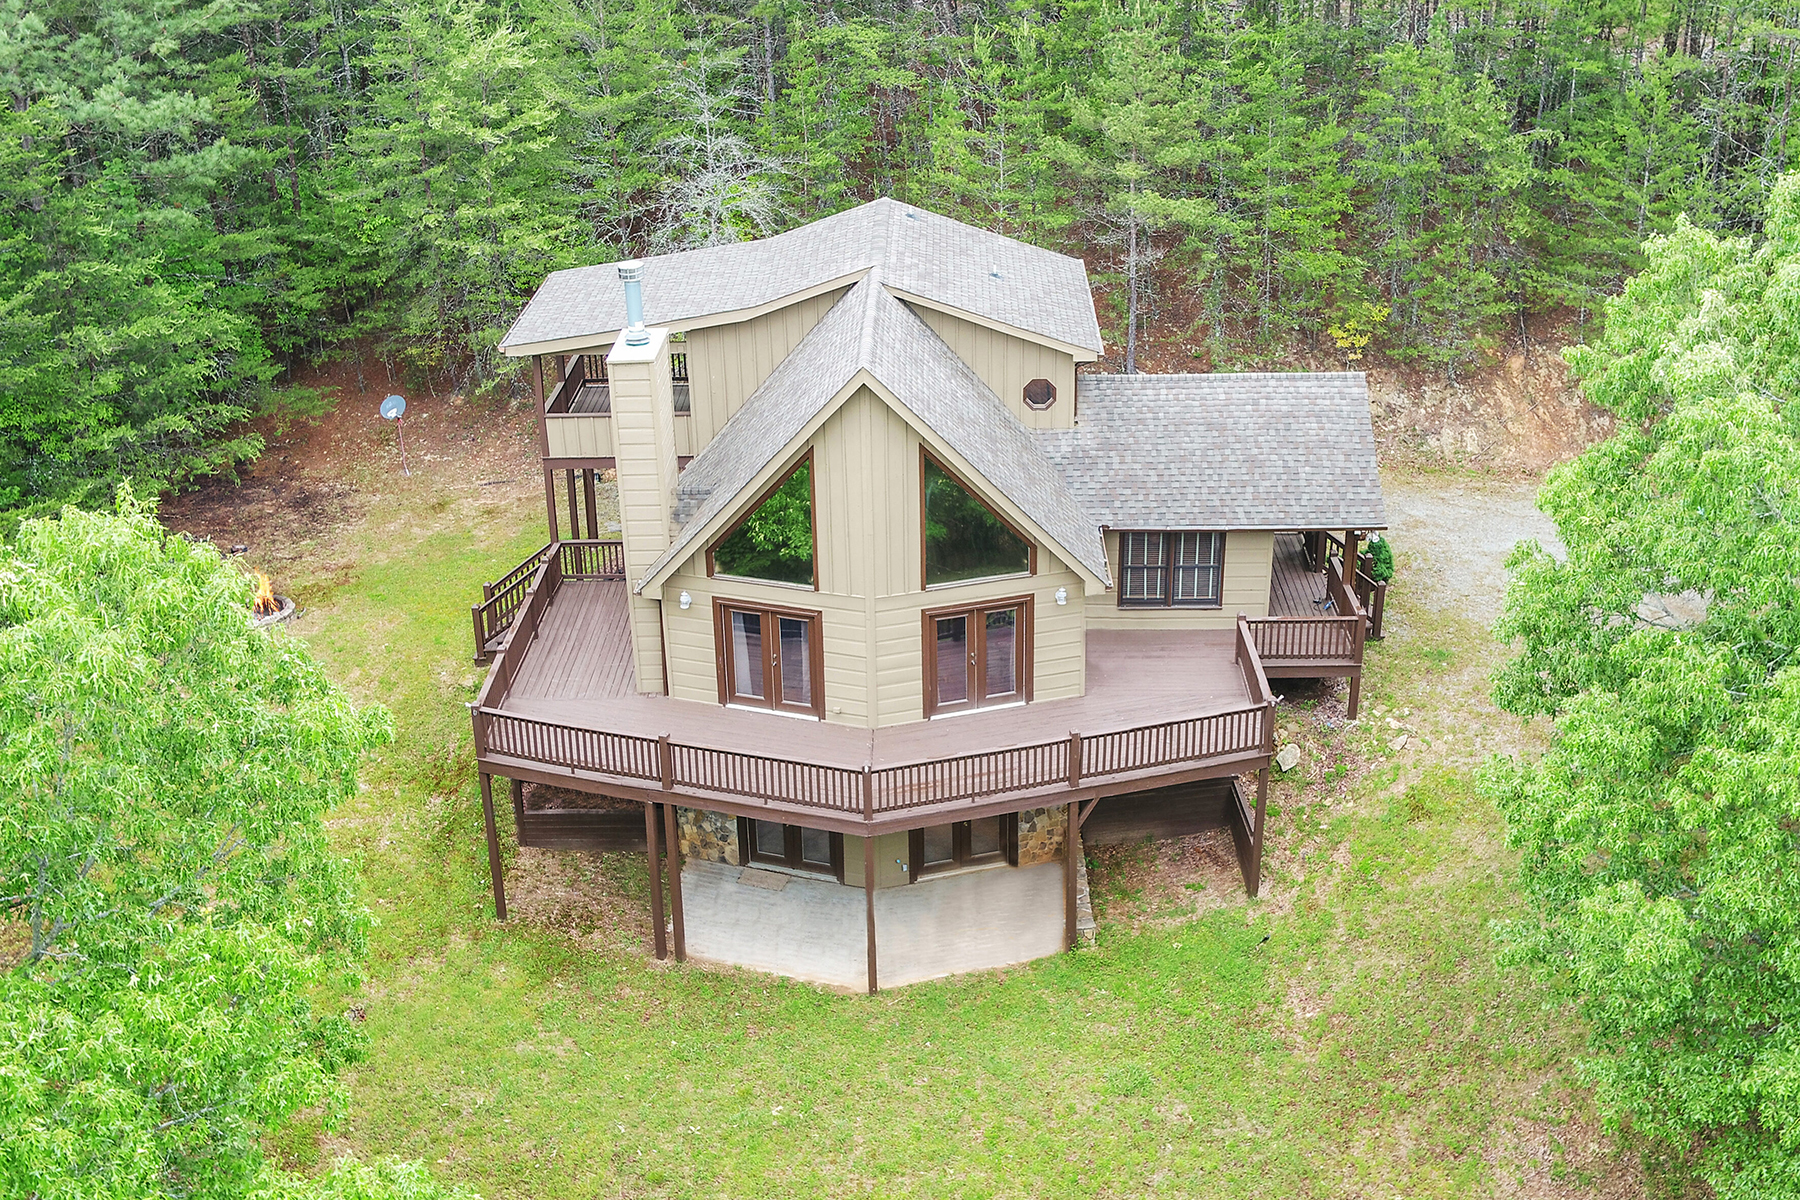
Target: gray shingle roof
column 869, row 330
column 1251, row 451
column 919, row 253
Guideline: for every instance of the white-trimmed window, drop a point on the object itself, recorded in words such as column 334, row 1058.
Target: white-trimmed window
column 1180, row 569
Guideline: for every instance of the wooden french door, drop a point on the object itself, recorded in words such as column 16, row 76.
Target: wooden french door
column 769, row 658
column 977, row 656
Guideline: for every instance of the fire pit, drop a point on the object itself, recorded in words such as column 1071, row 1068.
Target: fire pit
column 266, row 608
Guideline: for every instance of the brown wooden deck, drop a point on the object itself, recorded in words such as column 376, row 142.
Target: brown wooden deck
column 560, row 707
column 1295, row 589
column 579, row 673
column 1317, row 626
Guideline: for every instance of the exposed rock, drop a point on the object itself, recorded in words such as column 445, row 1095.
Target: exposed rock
column 1288, row 758
column 708, row 836
column 1041, row 834
column 1399, row 743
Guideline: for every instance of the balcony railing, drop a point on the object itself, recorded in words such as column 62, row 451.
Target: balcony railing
column 1370, row 594
column 501, row 600
column 885, row 795
column 585, row 390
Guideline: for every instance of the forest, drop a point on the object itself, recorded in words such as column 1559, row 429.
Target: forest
column 202, row 197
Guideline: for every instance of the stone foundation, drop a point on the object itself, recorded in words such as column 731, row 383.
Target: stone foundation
column 1041, row 834
column 707, row 836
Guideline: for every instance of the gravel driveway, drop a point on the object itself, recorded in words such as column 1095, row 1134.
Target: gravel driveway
column 1454, row 534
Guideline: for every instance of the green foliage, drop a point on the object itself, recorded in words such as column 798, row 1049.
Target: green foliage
column 1661, row 833
column 776, row 540
column 1381, row 559
column 349, row 1179
column 170, row 901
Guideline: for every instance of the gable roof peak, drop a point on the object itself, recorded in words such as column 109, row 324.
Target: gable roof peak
column 871, row 334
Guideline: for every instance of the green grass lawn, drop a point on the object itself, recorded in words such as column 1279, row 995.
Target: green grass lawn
column 1346, row 1035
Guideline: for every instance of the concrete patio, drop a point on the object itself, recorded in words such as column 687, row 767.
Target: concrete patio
column 813, row 929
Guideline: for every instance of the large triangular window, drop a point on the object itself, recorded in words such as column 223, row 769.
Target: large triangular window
column 775, row 542
column 964, row 538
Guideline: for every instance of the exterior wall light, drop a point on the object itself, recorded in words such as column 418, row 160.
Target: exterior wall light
column 687, row 601
column 1062, row 595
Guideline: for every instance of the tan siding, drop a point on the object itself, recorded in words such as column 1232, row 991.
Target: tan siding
column 644, row 442
column 866, row 493
column 693, row 645
column 1249, row 558
column 582, row 436
column 726, row 363
column 1007, row 363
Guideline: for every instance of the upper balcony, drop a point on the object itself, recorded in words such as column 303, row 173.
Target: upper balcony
column 560, row 707
column 578, row 410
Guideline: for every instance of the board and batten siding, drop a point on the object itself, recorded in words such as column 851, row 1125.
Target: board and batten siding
column 870, row 599
column 578, row 435
column 726, row 363
column 1007, row 363
column 1249, row 559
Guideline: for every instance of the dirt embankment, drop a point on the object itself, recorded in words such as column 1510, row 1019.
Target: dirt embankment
column 320, row 478
column 1517, row 412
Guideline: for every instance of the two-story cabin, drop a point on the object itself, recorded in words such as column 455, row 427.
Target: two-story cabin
column 899, row 599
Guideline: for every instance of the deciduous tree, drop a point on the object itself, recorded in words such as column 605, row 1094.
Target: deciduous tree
column 1661, row 832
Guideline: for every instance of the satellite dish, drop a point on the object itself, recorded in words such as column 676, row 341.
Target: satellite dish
column 393, row 407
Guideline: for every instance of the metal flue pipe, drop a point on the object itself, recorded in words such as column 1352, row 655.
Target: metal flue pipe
column 631, row 274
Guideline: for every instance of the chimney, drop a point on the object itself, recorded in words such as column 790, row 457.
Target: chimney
column 631, row 274
column 643, row 420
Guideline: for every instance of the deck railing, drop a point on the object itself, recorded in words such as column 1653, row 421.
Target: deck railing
column 866, row 792
column 501, row 599
column 583, row 559
column 1370, row 594
column 1335, row 640
column 869, row 792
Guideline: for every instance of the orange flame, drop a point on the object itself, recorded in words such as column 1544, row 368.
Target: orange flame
column 265, row 602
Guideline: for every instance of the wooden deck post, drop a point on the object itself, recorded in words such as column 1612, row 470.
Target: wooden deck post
column 518, row 803
column 665, row 762
column 1071, row 848
column 673, row 853
column 1256, row 835
column 1355, row 693
column 1350, row 539
column 587, row 490
column 480, row 640
column 654, row 855
column 493, row 841
column 574, row 507
column 1074, row 759
column 550, row 503
column 869, row 905
column 537, row 393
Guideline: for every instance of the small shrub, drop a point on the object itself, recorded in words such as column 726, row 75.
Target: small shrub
column 1381, row 560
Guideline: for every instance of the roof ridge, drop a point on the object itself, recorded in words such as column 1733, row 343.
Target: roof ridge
column 865, row 346
column 1041, row 293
